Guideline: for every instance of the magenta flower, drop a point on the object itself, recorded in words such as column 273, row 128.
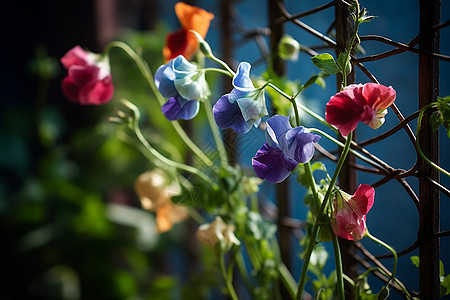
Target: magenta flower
column 367, row 103
column 349, row 216
column 89, row 77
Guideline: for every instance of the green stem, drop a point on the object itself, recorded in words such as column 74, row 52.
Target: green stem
column 244, row 273
column 339, row 271
column 216, row 133
column 153, row 152
column 394, row 269
column 145, row 71
column 228, row 279
column 296, row 105
column 312, row 242
column 287, row 279
column 419, row 150
column 218, row 71
column 223, row 64
column 350, row 46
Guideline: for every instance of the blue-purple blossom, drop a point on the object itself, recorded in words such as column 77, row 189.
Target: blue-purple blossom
column 181, row 81
column 244, row 106
column 285, row 148
column 179, row 108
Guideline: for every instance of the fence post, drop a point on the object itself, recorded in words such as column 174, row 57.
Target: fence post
column 429, row 142
column 347, row 178
column 282, row 189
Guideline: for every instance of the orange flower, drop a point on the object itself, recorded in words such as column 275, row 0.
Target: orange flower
column 183, row 42
column 154, row 193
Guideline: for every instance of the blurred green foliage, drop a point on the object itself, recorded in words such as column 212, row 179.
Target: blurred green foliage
column 71, row 225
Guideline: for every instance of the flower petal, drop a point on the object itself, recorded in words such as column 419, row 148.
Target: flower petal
column 97, row 92
column 362, row 201
column 378, row 96
column 176, row 44
column 277, row 126
column 344, row 110
column 70, row 89
column 270, row 164
column 228, row 115
column 242, row 81
column 301, row 144
column 164, row 78
column 82, row 75
column 178, row 108
column 193, row 18
column 75, row 56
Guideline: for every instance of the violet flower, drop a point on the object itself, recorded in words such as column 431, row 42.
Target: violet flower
column 285, row 148
column 244, row 106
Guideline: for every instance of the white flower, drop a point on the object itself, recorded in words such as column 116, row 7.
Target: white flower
column 217, row 231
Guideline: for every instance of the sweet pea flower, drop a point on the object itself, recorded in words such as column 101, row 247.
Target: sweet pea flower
column 349, row 216
column 367, row 103
column 215, row 232
column 182, row 41
column 184, row 84
column 244, row 106
column 154, row 192
column 89, row 77
column 285, row 148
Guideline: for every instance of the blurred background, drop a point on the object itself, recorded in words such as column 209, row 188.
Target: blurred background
column 71, row 226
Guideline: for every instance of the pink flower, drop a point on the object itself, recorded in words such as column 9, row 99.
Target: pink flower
column 366, row 103
column 349, row 216
column 89, row 78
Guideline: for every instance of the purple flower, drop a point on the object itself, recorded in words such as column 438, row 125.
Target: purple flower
column 285, row 148
column 244, row 106
column 181, row 82
column 179, row 108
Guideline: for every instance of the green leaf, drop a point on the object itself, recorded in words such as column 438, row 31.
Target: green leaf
column 310, row 81
column 318, row 166
column 441, row 268
column 446, row 283
column 444, row 107
column 436, row 120
column 415, row 260
column 364, row 16
column 321, row 82
column 326, row 63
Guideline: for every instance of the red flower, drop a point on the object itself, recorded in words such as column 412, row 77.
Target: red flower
column 366, row 103
column 349, row 216
column 89, row 79
column 183, row 42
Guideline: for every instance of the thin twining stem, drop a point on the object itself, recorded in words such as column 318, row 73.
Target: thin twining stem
column 405, row 47
column 397, row 283
column 390, row 132
column 405, row 251
column 308, row 12
column 380, row 274
column 148, row 75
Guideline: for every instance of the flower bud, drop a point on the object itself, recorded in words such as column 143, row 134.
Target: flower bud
column 203, row 45
column 288, row 48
